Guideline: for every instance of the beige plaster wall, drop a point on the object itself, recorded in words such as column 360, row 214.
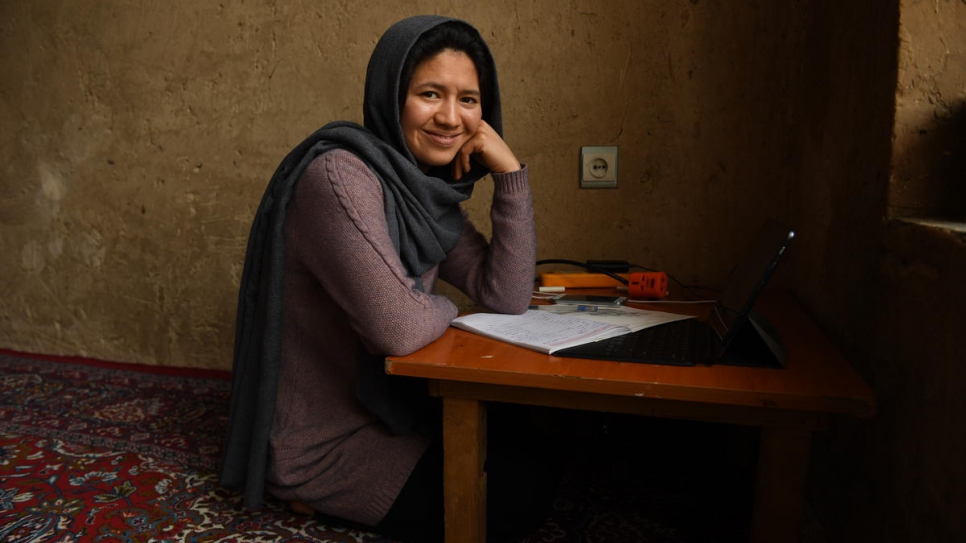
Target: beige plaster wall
column 139, row 137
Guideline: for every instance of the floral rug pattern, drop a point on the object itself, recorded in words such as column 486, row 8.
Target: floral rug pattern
column 98, row 454
column 123, row 454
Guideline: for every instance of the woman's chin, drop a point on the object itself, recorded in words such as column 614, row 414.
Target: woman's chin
column 435, row 162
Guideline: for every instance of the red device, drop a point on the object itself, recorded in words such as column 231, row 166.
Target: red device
column 647, row 285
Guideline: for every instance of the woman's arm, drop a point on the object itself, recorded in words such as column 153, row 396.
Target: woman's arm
column 498, row 274
column 340, row 238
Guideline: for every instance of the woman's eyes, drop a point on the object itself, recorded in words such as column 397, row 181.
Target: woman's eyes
column 434, row 95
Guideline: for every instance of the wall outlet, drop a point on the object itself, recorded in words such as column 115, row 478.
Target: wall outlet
column 598, row 167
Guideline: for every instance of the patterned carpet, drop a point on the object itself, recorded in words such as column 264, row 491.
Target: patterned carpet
column 113, row 453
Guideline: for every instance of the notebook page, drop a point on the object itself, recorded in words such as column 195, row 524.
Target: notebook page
column 539, row 330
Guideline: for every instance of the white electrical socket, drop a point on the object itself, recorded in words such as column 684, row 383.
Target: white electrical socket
column 598, row 167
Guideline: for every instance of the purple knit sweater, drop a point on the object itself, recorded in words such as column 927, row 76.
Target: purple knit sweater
column 345, row 284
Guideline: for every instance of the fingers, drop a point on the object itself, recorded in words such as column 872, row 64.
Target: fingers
column 489, row 149
column 463, row 162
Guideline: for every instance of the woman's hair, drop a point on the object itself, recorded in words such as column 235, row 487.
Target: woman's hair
column 457, row 36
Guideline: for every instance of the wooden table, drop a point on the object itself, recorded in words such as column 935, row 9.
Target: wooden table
column 468, row 370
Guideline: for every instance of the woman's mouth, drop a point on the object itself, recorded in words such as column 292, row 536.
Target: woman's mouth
column 443, row 140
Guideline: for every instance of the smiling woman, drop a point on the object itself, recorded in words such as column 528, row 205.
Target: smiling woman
column 315, row 420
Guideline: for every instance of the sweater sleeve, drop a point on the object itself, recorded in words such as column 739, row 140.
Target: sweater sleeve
column 341, row 242
column 498, row 274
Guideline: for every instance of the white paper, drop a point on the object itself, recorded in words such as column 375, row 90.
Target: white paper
column 634, row 319
column 543, row 331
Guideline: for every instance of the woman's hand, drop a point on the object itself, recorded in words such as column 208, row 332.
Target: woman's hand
column 489, row 149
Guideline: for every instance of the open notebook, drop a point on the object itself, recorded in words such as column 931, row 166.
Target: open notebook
column 735, row 332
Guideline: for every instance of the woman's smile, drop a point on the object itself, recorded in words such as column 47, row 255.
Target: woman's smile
column 444, row 140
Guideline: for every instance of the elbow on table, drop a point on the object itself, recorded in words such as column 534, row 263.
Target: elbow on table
column 404, row 340
column 403, row 349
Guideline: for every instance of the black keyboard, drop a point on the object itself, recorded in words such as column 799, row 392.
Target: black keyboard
column 679, row 343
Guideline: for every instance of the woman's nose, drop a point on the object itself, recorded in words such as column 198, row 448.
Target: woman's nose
column 447, row 113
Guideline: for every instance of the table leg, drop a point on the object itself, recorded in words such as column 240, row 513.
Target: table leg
column 464, row 478
column 780, row 490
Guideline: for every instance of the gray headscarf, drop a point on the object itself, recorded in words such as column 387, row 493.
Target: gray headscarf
column 422, row 210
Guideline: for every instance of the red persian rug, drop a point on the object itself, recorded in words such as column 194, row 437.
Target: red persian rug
column 102, row 452
column 114, row 453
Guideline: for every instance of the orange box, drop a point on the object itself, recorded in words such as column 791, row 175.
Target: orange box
column 580, row 280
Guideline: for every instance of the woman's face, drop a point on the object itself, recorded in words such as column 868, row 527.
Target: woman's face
column 442, row 109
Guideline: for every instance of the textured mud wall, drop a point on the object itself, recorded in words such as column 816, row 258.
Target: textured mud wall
column 890, row 292
column 921, row 484
column 139, row 136
column 929, row 178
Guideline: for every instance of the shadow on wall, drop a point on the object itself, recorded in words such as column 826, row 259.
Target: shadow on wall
column 930, row 179
column 950, row 165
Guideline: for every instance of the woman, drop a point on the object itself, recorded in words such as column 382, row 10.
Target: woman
column 352, row 234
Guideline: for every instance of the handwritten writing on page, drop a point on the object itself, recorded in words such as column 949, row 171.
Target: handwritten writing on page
column 634, row 319
column 539, row 330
